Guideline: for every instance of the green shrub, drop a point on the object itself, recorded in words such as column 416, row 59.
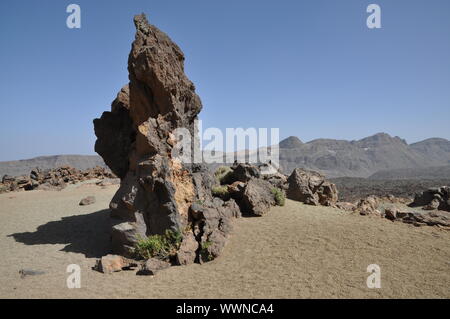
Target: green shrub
column 220, row 191
column 222, row 174
column 159, row 246
column 204, row 251
column 279, row 197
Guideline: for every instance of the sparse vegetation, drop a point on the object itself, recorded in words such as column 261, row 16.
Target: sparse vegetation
column 222, row 174
column 159, row 246
column 220, row 191
column 205, row 254
column 279, row 196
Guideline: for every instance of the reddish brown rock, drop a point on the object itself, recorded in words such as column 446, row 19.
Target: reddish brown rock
column 311, row 188
column 113, row 263
column 137, row 140
column 188, row 250
column 368, row 206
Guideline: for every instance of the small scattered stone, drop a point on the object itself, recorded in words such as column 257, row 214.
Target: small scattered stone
column 87, row 201
column 152, row 266
column 113, row 263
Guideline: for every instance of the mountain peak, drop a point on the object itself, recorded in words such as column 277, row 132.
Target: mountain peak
column 380, row 139
column 291, row 142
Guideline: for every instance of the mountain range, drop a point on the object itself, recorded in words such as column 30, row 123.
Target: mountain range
column 380, row 156
column 365, row 157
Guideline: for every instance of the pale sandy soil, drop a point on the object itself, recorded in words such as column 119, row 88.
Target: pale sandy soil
column 296, row 251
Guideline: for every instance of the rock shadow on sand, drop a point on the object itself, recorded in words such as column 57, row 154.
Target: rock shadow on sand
column 88, row 234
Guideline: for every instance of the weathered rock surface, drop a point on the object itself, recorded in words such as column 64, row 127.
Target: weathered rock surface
column 257, row 197
column 440, row 218
column 395, row 209
column 433, row 198
column 113, row 263
column 418, row 218
column 188, row 250
column 137, row 139
column 152, row 266
column 243, row 173
column 368, row 206
column 311, row 188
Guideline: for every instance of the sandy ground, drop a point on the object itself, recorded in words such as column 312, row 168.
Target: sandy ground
column 296, row 251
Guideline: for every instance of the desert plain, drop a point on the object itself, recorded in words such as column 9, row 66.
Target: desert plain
column 295, row 251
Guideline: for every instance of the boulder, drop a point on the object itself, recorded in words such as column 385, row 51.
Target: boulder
column 433, row 198
column 7, row 179
column 328, row 194
column 257, row 197
column 311, row 188
column 231, row 209
column 277, row 180
column 368, row 206
column 243, row 173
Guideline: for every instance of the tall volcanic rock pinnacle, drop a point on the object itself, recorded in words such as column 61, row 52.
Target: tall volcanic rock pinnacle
column 136, row 139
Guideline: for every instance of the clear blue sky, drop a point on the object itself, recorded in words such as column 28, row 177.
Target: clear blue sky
column 311, row 67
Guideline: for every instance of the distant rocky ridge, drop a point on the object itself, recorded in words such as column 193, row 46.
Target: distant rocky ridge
column 23, row 167
column 377, row 157
column 55, row 179
column 365, row 157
